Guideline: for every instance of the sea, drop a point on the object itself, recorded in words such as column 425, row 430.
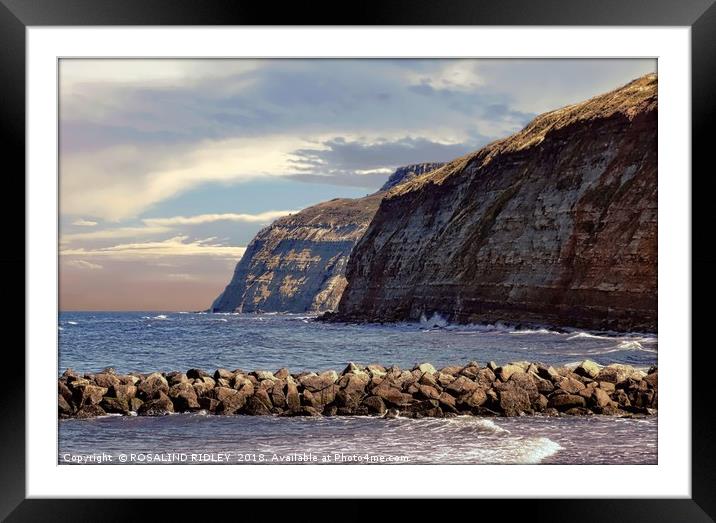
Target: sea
column 166, row 341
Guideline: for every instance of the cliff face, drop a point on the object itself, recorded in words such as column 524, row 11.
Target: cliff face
column 556, row 224
column 297, row 264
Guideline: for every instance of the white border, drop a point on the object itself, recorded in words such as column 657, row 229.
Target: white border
column 671, row 477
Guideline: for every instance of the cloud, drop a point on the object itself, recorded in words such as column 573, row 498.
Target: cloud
column 82, row 264
column 84, row 223
column 341, row 157
column 263, row 217
column 121, row 182
column 181, row 276
column 113, row 233
column 176, row 246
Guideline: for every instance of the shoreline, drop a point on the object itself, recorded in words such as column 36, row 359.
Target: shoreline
column 512, row 389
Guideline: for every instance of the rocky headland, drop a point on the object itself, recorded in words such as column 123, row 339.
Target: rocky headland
column 514, row 389
column 297, row 264
column 555, row 225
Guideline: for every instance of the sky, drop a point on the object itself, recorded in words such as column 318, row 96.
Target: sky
column 168, row 168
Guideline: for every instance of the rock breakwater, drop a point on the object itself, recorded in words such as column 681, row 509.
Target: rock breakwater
column 513, row 389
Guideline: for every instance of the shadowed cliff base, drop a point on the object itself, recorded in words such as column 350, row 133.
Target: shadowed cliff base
column 512, row 389
column 555, row 225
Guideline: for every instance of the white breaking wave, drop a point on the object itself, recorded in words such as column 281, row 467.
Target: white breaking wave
column 436, row 320
column 157, row 317
column 72, row 322
column 487, row 425
column 531, row 451
column 532, row 331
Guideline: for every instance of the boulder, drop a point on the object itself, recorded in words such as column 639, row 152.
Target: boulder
column 600, row 398
column 176, row 377
column 196, row 374
column 90, row 411
column 160, row 405
column 351, row 368
column 134, row 404
column 540, row 404
column 445, row 379
column 209, row 404
column 615, row 373
column 506, row 371
column 305, row 411
column 223, row 374
column 202, row 388
column 354, row 383
column 452, row 370
column 426, row 368
column 570, row 385
column 524, row 381
column 513, row 401
column 115, row 405
column 548, row 372
column 476, row 398
column 282, row 374
column 447, row 402
column 461, row 385
column 293, row 400
column 263, row 375
column 231, row 404
column 621, row 398
column 183, row 397
column 123, row 391
column 64, row 391
column 588, row 369
column 375, row 405
column 485, row 378
column 376, row 370
column 255, row 407
column 315, row 382
column 88, row 395
column 106, row 380
column 429, row 380
column 278, row 396
column 64, row 408
column 425, row 409
column 323, row 397
column 563, row 402
column 391, row 395
column 428, row 392
column 151, row 386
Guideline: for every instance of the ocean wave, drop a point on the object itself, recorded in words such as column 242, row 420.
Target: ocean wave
column 533, row 331
column 535, row 450
column 71, row 323
column 436, row 320
column 157, row 317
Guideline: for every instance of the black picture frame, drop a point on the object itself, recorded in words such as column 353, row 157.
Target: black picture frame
column 699, row 15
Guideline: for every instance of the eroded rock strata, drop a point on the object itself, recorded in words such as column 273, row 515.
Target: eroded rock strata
column 512, row 389
column 555, row 225
column 297, row 264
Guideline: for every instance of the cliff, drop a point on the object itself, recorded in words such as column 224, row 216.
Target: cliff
column 297, row 264
column 555, row 225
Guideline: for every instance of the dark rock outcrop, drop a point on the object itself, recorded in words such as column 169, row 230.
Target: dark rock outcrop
column 374, row 390
column 554, row 225
column 297, row 264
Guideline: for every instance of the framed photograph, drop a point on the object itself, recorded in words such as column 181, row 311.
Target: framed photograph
column 446, row 251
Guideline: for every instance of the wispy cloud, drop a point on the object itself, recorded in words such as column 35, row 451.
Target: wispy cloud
column 83, row 264
column 84, row 223
column 176, row 246
column 113, row 233
column 263, row 217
